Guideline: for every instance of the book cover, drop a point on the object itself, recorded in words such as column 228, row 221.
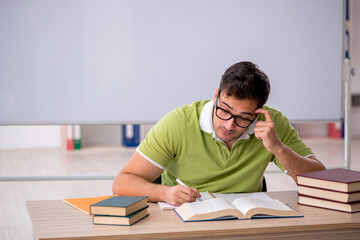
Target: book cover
column 77, row 137
column 119, row 205
column 83, row 204
column 69, row 138
column 64, row 137
column 242, row 208
column 329, row 194
column 121, row 220
column 335, row 130
column 328, row 204
column 131, row 135
column 343, row 180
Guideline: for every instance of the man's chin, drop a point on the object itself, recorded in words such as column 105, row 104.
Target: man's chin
column 226, row 138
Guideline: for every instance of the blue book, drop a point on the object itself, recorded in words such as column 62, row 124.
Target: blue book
column 241, row 208
column 131, row 135
column 119, row 205
column 121, row 220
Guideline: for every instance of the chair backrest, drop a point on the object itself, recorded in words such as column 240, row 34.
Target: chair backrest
column 264, row 187
column 158, row 180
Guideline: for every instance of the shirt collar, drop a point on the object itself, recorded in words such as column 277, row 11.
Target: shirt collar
column 206, row 123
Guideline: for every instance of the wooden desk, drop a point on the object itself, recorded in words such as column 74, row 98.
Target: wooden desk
column 56, row 220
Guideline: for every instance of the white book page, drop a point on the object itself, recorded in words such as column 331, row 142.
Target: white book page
column 166, row 206
column 245, row 204
column 230, row 197
column 209, row 205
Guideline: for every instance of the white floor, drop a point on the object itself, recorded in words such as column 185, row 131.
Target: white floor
column 14, row 219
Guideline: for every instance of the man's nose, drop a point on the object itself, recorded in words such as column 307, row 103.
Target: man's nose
column 230, row 124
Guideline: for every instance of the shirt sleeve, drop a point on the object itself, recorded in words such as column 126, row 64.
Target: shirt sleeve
column 163, row 140
column 290, row 137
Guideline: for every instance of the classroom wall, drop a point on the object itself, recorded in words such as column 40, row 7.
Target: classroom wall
column 12, row 137
column 23, row 137
column 100, row 135
column 355, row 56
column 320, row 129
column 355, row 50
column 96, row 57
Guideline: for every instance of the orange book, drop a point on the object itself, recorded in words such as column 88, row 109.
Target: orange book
column 83, row 204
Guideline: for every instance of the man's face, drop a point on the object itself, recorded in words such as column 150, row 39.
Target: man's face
column 227, row 130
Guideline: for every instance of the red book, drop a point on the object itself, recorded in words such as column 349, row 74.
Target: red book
column 335, row 130
column 345, row 197
column 70, row 138
column 324, row 203
column 342, row 180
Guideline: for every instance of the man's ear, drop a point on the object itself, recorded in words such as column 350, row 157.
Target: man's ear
column 215, row 96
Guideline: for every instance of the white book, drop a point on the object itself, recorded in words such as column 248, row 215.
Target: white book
column 240, row 208
column 227, row 196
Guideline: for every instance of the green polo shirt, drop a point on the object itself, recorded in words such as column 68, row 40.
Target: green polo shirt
column 184, row 144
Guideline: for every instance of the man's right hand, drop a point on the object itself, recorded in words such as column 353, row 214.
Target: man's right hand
column 135, row 179
column 177, row 195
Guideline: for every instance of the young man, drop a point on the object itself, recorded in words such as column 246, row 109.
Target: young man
column 223, row 145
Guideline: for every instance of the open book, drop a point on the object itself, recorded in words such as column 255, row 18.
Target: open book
column 241, row 208
column 227, row 196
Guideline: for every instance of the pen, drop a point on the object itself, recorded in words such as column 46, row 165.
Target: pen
column 183, row 184
column 211, row 194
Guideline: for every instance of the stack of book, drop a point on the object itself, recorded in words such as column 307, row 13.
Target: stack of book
column 337, row 189
column 119, row 210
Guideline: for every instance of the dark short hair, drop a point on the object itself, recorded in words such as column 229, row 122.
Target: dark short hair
column 244, row 80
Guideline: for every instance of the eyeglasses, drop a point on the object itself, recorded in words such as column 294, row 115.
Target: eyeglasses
column 225, row 115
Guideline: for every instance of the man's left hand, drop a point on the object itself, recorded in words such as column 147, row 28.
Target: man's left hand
column 266, row 131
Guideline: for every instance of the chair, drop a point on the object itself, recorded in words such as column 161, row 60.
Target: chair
column 264, row 187
column 158, row 180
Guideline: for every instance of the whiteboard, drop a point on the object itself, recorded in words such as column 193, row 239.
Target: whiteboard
column 132, row 61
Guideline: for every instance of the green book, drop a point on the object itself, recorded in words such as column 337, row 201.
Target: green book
column 121, row 220
column 118, row 205
column 77, row 137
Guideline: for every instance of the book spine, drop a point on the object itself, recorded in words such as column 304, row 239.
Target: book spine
column 131, row 135
column 327, row 199
column 335, row 130
column 64, row 137
column 77, row 137
column 70, row 138
column 326, row 189
column 328, row 204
